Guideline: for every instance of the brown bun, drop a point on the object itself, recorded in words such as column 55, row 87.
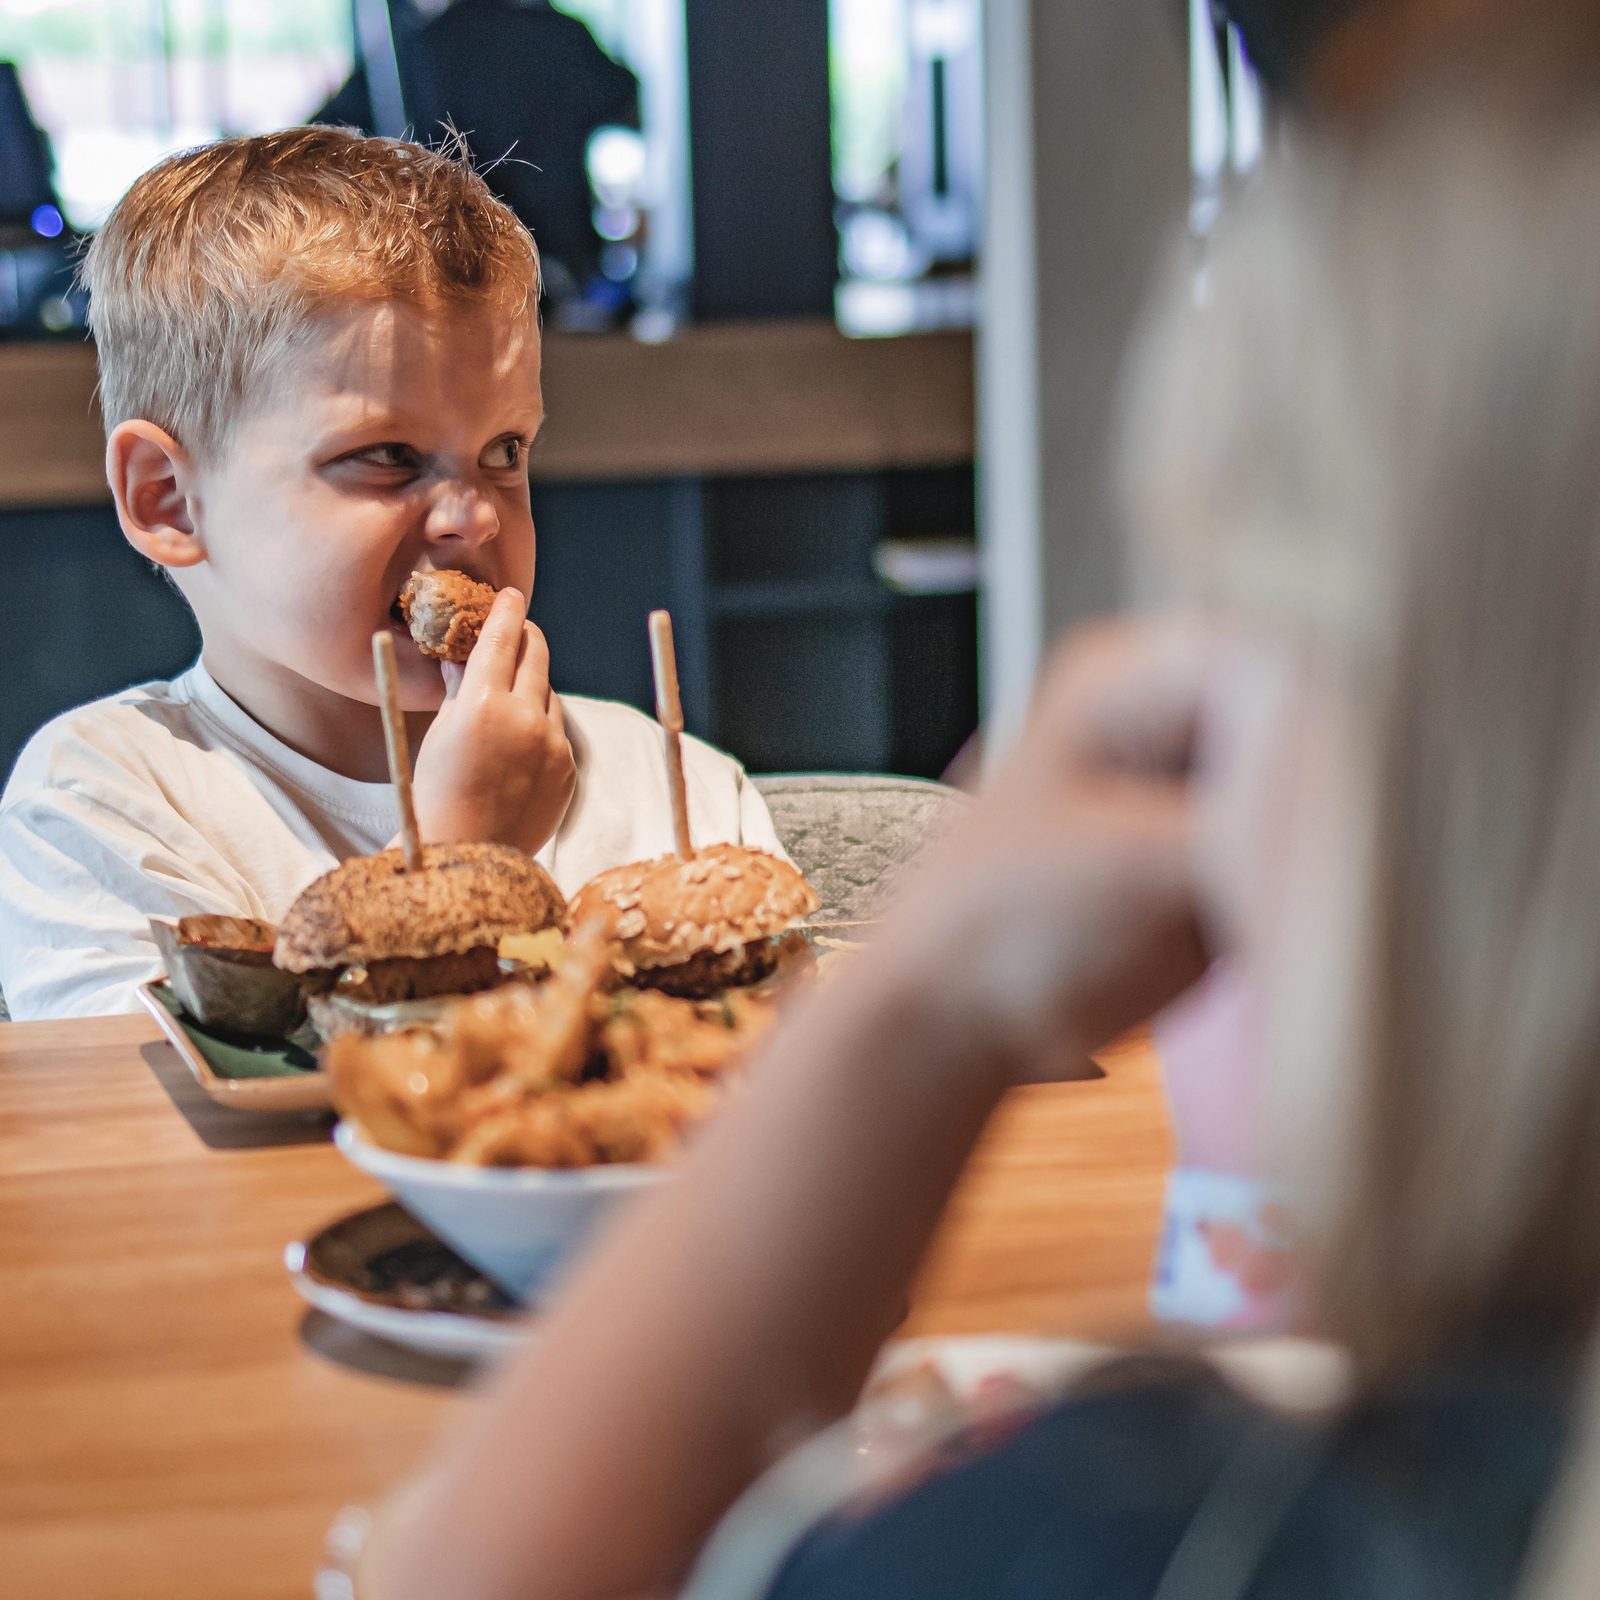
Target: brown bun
column 445, row 611
column 371, row 909
column 667, row 912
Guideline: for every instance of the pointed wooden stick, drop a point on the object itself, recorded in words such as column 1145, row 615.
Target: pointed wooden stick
column 669, row 713
column 395, row 742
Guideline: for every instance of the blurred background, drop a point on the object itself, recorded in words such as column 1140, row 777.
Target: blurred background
column 809, row 262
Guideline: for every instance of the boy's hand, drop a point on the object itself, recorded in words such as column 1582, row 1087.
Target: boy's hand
column 496, row 765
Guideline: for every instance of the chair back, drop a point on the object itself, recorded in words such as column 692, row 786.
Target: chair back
column 853, row 835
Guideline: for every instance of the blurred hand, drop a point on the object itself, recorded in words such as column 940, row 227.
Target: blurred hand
column 496, row 765
column 1061, row 912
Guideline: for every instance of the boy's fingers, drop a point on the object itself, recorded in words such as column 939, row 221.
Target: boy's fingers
column 493, row 662
column 533, row 668
column 452, row 672
column 558, row 719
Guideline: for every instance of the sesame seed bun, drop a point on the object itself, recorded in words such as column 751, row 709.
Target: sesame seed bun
column 670, row 912
column 370, row 909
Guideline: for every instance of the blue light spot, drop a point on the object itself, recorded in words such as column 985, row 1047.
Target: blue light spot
column 47, row 222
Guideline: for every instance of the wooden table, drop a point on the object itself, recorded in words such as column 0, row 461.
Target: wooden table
column 175, row 1423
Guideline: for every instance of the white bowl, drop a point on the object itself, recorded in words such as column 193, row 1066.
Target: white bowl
column 518, row 1225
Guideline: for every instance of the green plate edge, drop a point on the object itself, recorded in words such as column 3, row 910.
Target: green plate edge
column 235, row 1055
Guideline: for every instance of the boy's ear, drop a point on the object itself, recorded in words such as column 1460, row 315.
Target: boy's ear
column 152, row 480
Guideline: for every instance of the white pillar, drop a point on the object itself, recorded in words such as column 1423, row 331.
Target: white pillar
column 1088, row 116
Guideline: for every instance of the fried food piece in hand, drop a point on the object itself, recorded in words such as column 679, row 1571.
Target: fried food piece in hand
column 446, row 612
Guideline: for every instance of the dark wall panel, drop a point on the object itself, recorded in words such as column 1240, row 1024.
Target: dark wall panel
column 609, row 554
column 87, row 617
column 760, row 145
column 790, row 652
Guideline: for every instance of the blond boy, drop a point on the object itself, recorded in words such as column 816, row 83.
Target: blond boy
column 319, row 371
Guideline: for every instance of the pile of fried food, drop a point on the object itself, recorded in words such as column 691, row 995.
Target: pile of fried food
column 673, row 969
column 569, row 1073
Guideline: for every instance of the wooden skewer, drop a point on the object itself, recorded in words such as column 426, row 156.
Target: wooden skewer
column 398, row 747
column 669, row 713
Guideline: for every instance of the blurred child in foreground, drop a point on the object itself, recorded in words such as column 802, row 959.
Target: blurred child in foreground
column 1372, row 464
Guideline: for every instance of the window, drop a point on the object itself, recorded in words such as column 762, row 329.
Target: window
column 117, row 84
column 907, row 153
column 1227, row 111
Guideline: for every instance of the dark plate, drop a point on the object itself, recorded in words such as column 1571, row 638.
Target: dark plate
column 234, row 1070
column 381, row 1271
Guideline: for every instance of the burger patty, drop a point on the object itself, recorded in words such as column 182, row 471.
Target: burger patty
column 384, row 982
column 709, row 973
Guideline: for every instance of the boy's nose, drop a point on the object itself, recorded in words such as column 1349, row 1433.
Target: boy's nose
column 459, row 512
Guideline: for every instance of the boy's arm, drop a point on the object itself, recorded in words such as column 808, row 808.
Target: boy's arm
column 78, row 885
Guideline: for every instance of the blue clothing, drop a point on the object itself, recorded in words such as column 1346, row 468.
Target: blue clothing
column 1156, row 1480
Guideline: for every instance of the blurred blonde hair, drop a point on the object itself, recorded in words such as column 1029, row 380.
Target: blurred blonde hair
column 1371, row 428
column 218, row 260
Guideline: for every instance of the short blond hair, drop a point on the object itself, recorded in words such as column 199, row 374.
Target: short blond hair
column 217, row 259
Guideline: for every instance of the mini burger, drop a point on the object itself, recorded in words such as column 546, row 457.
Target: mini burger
column 445, row 612
column 371, row 934
column 722, row 918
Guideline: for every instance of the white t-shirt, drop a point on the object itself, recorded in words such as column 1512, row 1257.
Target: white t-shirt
column 169, row 799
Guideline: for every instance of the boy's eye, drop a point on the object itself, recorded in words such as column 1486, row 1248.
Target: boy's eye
column 504, row 453
column 399, row 456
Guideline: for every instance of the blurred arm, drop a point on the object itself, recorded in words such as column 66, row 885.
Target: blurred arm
column 725, row 1319
column 741, row 1306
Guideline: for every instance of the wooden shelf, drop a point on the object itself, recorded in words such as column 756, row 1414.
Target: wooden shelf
column 750, row 398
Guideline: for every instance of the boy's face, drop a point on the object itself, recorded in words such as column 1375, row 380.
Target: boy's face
column 394, row 439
